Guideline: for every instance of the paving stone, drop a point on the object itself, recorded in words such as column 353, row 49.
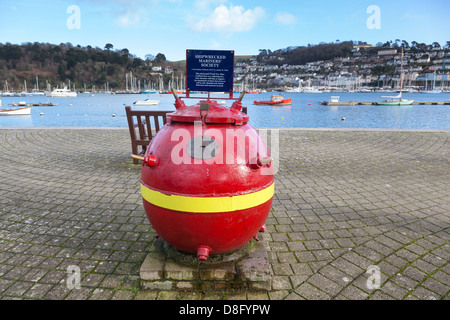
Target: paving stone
column 101, row 294
column 222, row 272
column 381, row 193
column 158, row 285
column 152, row 268
column 354, row 293
column 18, row 288
column 325, row 284
column 37, row 291
column 178, row 271
column 310, row 292
column 394, row 291
column 254, row 269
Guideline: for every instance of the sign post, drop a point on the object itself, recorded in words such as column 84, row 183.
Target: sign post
column 210, row 71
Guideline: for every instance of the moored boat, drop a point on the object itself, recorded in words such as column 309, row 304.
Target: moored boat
column 177, row 91
column 48, row 104
column 62, row 93
column 276, row 99
column 15, row 112
column 396, row 100
column 146, row 102
column 149, row 91
column 334, row 101
column 20, row 104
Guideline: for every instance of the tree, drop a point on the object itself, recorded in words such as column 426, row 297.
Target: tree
column 422, row 46
column 72, row 75
column 149, row 57
column 110, row 70
column 160, row 58
column 109, row 46
column 61, row 72
column 262, row 52
column 436, row 45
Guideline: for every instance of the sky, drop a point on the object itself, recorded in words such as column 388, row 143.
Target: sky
column 245, row 26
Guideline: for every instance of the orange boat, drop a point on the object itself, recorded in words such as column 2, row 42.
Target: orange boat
column 277, row 100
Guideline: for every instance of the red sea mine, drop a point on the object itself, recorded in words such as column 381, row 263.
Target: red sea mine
column 207, row 179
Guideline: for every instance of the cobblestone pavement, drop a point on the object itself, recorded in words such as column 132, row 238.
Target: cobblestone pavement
column 347, row 203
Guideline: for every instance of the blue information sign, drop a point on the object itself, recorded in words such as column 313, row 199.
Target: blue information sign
column 209, row 70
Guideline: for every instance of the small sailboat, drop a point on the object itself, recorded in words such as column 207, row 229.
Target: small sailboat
column 396, row 100
column 149, row 91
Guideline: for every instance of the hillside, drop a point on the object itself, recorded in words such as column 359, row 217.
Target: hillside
column 302, row 55
column 57, row 65
column 118, row 69
column 82, row 66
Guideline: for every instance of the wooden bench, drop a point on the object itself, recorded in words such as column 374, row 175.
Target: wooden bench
column 139, row 124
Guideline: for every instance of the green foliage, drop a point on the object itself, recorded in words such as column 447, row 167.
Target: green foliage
column 160, row 58
column 303, row 55
column 83, row 66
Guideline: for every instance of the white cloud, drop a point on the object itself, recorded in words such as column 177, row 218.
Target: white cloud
column 128, row 12
column 206, row 4
column 285, row 18
column 409, row 15
column 129, row 17
column 229, row 19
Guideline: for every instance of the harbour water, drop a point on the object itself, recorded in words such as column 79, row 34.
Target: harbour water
column 107, row 110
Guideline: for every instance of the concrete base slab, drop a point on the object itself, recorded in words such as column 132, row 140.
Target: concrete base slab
column 166, row 268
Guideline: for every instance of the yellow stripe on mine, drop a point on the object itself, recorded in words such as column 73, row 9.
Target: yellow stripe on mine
column 207, row 204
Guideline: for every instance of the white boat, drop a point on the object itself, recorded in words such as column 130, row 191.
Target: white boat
column 335, row 101
column 146, row 102
column 311, row 90
column 15, row 112
column 20, row 104
column 432, row 91
column 300, row 89
column 150, row 91
column 394, row 101
column 61, row 93
column 304, row 90
column 34, row 92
